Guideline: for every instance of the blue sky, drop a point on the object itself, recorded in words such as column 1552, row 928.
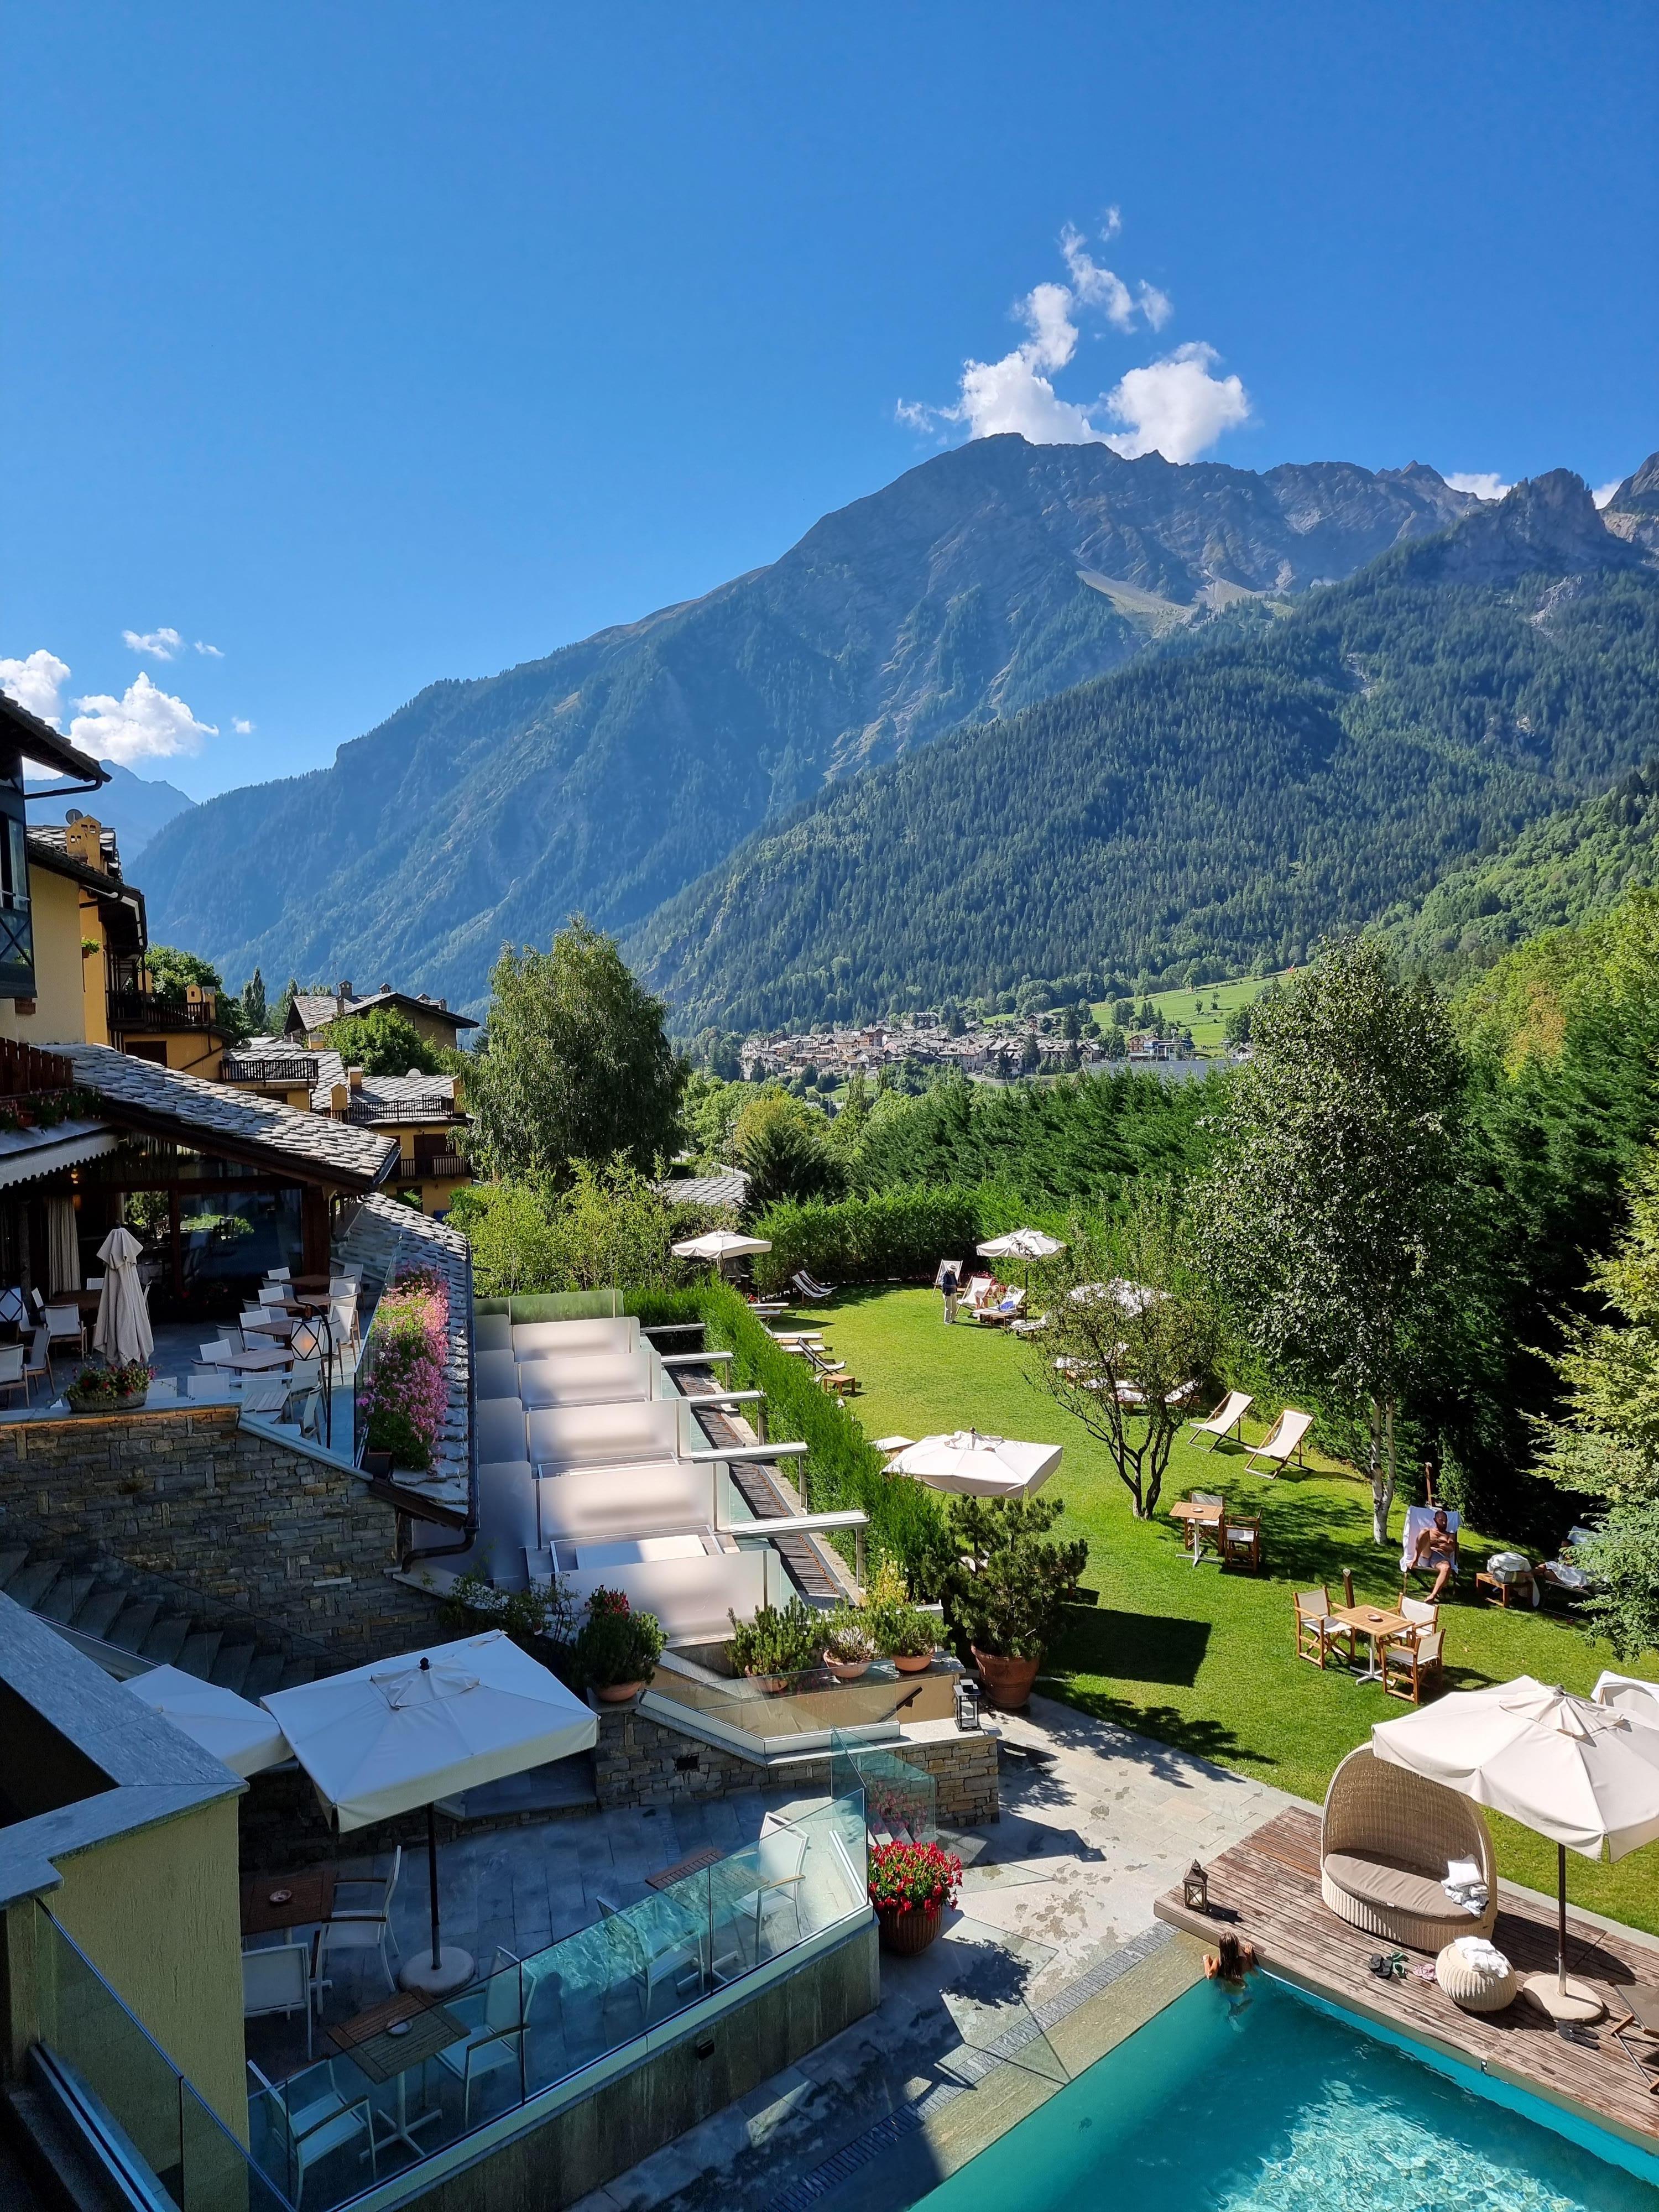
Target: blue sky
column 371, row 345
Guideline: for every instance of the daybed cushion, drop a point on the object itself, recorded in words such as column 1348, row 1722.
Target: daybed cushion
column 1378, row 1878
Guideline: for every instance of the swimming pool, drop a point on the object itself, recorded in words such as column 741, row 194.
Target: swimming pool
column 1275, row 2105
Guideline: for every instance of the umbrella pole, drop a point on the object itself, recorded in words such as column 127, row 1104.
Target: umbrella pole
column 431, row 1883
column 1561, row 1919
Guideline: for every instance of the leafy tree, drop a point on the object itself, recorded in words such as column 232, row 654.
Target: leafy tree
column 1121, row 1356
column 173, row 971
column 255, row 1012
column 1123, row 1012
column 1115, row 1043
column 577, row 1065
column 607, row 1226
column 285, row 1005
column 1237, row 1024
column 1330, row 1217
column 382, row 1041
column 1030, row 1058
column 786, row 1155
column 709, row 1115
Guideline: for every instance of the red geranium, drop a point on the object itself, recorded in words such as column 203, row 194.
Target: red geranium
column 913, row 1877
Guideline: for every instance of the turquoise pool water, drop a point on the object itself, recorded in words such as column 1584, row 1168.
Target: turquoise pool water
column 1275, row 2106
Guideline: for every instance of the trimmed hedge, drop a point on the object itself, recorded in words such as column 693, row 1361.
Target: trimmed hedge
column 906, row 1522
column 898, row 1235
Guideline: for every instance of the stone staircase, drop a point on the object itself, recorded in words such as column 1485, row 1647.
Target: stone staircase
column 128, row 1623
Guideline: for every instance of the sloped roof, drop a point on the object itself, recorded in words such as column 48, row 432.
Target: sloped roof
column 317, row 1009
column 53, row 838
column 39, row 742
column 212, row 1117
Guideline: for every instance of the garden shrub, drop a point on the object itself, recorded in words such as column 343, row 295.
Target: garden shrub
column 896, row 1234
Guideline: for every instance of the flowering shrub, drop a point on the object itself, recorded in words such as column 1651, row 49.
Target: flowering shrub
column 406, row 1394
column 913, row 1877
column 103, row 1385
column 617, row 1644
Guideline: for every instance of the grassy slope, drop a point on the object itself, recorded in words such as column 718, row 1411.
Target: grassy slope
column 1194, row 1009
column 1197, row 1658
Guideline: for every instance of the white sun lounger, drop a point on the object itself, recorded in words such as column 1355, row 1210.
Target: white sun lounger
column 1283, row 1441
column 1227, row 1416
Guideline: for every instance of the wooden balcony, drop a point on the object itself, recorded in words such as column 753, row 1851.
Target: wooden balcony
column 23, row 1071
column 434, row 1167
column 148, row 1009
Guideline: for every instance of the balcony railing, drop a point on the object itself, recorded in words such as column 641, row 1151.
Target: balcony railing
column 24, row 1071
column 299, row 1068
column 148, row 1009
column 434, row 1167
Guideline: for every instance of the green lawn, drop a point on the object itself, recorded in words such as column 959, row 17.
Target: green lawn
column 1195, row 1011
column 1196, row 1657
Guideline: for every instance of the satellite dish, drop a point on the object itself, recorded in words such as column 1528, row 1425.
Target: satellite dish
column 75, row 815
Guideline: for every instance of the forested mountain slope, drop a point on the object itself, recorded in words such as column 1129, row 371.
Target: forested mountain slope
column 608, row 775
column 1226, row 800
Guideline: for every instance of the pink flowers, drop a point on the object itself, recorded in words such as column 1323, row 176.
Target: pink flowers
column 406, row 1395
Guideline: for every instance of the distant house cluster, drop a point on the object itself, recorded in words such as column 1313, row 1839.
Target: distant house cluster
column 995, row 1052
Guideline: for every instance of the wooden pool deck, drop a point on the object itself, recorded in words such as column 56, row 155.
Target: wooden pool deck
column 1271, row 1882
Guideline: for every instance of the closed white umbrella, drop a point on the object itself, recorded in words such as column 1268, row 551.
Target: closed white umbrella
column 122, row 1331
column 1586, row 1776
column 1021, row 1245
column 979, row 1466
column 398, row 1734
column 244, row 1736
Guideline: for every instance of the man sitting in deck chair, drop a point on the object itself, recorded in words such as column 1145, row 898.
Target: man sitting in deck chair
column 1283, row 1441
column 1429, row 1546
column 1228, row 1415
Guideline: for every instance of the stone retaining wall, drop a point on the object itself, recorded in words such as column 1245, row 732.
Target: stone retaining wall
column 640, row 1761
column 238, row 1524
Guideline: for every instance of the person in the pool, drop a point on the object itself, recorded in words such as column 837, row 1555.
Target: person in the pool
column 1232, row 1957
column 1436, row 1547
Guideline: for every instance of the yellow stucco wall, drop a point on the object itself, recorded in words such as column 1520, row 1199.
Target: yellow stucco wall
column 158, row 1912
column 59, row 985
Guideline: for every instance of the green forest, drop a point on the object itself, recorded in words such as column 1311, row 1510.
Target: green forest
column 1226, row 801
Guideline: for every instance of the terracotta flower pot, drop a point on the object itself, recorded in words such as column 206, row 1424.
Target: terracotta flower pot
column 1007, row 1681
column 616, row 1693
column 773, row 1684
column 912, row 1666
column 907, row 1933
column 846, row 1670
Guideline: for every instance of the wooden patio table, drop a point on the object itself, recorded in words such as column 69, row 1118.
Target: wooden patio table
column 367, row 2041
column 1381, row 1623
column 258, row 1363
column 1197, row 1519
column 310, row 1899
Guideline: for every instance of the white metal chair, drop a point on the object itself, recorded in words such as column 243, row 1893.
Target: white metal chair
column 780, row 1860
column 309, row 2126
column 270, row 1296
column 39, row 1362
column 209, row 1382
column 12, row 1377
column 64, row 1326
column 278, row 1275
column 218, row 1353
column 495, row 2041
column 264, row 1394
column 277, row 1979
column 363, row 1927
column 675, row 1961
column 163, row 1389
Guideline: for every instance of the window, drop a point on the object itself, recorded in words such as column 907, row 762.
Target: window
column 16, row 925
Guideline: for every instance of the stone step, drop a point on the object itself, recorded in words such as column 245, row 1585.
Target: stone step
column 199, row 1651
column 31, row 1584
column 12, row 1556
column 230, row 1669
column 66, row 1597
column 166, row 1640
column 133, row 1624
column 263, row 1674
column 99, row 1610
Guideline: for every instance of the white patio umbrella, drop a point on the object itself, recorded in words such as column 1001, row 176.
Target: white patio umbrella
column 1027, row 1244
column 122, row 1331
column 400, row 1733
column 1585, row 1775
column 979, row 1466
column 1628, row 1693
column 245, row 1738
column 719, row 1245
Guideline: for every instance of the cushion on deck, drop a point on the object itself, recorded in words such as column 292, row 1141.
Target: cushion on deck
column 1378, row 1878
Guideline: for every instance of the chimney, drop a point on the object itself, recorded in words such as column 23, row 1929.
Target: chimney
column 338, row 1098
column 355, row 1078
column 444, row 1004
column 385, row 987
column 83, row 840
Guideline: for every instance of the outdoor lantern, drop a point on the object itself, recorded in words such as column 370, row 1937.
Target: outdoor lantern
column 1195, row 1889
column 967, row 1704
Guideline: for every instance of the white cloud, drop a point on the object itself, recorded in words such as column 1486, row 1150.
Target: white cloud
column 1603, row 493
column 1173, row 405
column 35, row 682
column 1485, row 484
column 242, row 729
column 146, row 723
column 161, row 644
column 211, row 651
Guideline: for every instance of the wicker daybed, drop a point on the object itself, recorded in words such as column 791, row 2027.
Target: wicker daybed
column 1385, row 1843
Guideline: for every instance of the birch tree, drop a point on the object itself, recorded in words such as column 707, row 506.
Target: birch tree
column 1332, row 1218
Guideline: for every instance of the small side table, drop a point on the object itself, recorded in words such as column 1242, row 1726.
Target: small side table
column 1517, row 1590
column 368, row 2042
column 1474, row 1989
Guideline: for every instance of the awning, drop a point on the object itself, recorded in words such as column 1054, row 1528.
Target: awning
column 25, row 1155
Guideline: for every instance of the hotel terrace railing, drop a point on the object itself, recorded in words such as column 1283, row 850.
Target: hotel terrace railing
column 433, row 1167
column 531, row 2039
column 23, row 1071
column 298, row 1068
column 131, row 1010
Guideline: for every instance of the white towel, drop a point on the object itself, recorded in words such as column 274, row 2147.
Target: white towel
column 1462, row 1874
column 1476, row 1951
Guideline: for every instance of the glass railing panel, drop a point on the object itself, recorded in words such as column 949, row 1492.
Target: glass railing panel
column 815, row 1702
column 218, row 2174
column 900, row 1800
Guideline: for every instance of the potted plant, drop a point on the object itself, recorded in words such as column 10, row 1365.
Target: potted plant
column 110, row 1389
column 617, row 1649
column 910, row 1886
column 902, row 1632
column 848, row 1646
column 1006, row 1591
column 776, row 1644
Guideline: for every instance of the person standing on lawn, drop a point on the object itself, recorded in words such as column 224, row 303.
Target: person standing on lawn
column 947, row 1283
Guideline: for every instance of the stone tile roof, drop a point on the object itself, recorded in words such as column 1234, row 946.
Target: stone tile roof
column 385, row 1235
column 414, row 1097
column 312, row 1145
column 316, row 1009
column 728, row 1189
column 52, row 837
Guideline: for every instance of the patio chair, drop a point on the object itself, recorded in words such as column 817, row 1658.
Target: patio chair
column 675, row 1961
column 277, row 1979
column 211, row 1383
column 1417, row 1611
column 979, row 1289
column 1034, row 1327
column 163, row 1389
column 779, row 1859
column 1282, row 1442
column 271, row 1295
column 310, row 2117
column 1208, row 1530
column 1314, row 1627
column 1228, row 1416
column 39, row 1362
column 1418, row 1518
column 1641, row 2021
column 364, row 1926
column 1239, row 1542
column 811, row 1292
column 1006, row 1310
column 219, row 1353
column 264, row 1394
column 278, row 1275
column 1387, row 1838
column 495, row 2039
column 65, row 1326
column 12, row 1377
column 1414, row 1662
